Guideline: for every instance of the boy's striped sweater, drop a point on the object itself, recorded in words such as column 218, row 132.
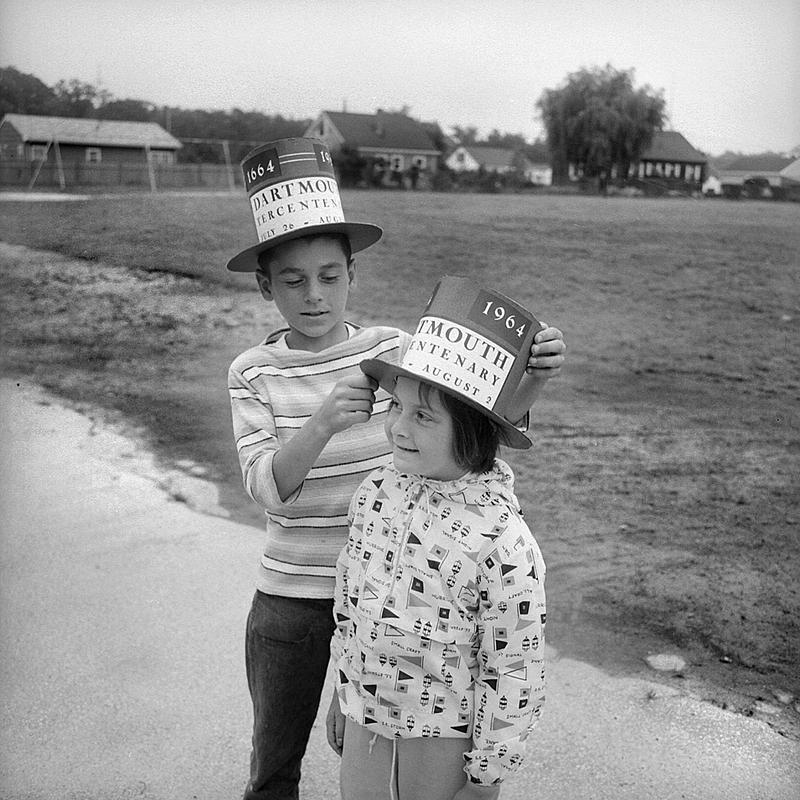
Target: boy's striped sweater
column 273, row 391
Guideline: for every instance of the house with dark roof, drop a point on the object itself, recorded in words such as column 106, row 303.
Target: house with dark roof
column 70, row 141
column 391, row 144
column 499, row 160
column 671, row 163
column 761, row 176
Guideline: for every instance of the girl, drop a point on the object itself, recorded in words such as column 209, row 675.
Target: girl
column 439, row 607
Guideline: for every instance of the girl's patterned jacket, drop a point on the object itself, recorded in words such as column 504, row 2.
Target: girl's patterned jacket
column 440, row 612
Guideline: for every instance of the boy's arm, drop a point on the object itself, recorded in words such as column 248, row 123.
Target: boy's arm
column 349, row 402
column 545, row 361
column 509, row 689
column 272, row 473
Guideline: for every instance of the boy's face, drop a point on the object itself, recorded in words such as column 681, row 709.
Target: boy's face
column 309, row 280
column 421, row 434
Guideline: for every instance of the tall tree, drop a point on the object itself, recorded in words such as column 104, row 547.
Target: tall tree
column 127, row 110
column 75, row 98
column 21, row 93
column 597, row 121
column 466, row 136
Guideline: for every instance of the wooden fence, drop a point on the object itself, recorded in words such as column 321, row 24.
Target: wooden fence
column 155, row 177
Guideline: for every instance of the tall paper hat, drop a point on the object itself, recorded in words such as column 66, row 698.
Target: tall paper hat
column 293, row 192
column 472, row 343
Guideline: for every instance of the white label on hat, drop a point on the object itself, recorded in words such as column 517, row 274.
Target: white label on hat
column 460, row 359
column 296, row 203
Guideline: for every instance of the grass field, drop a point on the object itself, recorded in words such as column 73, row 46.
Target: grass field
column 663, row 483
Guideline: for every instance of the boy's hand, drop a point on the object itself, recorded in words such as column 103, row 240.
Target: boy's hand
column 547, row 353
column 349, row 402
column 334, row 725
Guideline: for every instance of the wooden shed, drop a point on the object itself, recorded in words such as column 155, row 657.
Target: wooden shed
column 68, row 145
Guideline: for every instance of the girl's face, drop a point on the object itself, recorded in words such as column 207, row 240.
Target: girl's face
column 421, row 434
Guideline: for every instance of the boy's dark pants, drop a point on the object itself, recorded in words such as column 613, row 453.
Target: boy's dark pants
column 287, row 650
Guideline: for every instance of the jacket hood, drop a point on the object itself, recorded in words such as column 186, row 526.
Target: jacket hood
column 479, row 489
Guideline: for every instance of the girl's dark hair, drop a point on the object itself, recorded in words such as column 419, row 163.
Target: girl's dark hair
column 265, row 257
column 476, row 438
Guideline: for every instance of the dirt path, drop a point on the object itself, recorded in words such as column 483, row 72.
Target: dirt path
column 667, row 514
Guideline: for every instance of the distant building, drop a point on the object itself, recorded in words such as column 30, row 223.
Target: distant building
column 712, row 185
column 763, row 176
column 792, row 171
column 500, row 160
column 70, row 141
column 671, row 162
column 391, row 143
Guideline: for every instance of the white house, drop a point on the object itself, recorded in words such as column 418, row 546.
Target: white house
column 500, row 160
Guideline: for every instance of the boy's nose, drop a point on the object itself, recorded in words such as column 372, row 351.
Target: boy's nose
column 313, row 292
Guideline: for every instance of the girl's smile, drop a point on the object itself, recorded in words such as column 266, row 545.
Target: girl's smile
column 421, row 434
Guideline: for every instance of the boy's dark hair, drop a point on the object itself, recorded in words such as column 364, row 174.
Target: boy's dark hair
column 476, row 438
column 265, row 257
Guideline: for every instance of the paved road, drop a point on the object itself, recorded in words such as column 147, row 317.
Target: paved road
column 121, row 662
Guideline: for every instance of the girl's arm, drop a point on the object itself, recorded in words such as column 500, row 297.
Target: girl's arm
column 509, row 690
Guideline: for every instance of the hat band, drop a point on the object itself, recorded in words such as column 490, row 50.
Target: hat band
column 295, row 203
column 459, row 359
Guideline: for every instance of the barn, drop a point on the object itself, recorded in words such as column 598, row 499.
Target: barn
column 59, row 149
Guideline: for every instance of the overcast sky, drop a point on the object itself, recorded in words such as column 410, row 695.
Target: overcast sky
column 729, row 69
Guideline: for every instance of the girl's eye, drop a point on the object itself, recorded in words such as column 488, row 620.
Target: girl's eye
column 294, row 284
column 329, row 278
column 423, row 417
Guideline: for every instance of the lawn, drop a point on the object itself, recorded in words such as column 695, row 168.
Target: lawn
column 663, row 482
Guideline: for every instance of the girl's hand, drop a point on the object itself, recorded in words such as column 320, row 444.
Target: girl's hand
column 474, row 791
column 334, row 725
column 547, row 352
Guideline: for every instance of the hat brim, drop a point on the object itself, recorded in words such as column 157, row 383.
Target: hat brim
column 360, row 234
column 386, row 374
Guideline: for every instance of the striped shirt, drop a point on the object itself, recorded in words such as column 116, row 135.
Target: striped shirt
column 274, row 390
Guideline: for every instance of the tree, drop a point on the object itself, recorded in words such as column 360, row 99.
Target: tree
column 509, row 141
column 77, row 99
column 465, row 136
column 127, row 110
column 21, row 93
column 598, row 122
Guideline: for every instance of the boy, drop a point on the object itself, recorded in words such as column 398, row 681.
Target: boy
column 308, row 429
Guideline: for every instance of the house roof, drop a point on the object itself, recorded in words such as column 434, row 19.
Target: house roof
column 763, row 163
column 92, row 132
column 491, row 158
column 792, row 170
column 382, row 131
column 672, row 146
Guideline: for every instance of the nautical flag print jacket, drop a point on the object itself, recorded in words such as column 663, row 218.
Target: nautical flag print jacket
column 440, row 612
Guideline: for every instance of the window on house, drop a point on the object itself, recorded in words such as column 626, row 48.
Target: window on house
column 698, row 171
column 649, row 168
column 668, row 170
column 420, row 161
column 397, row 163
column 93, row 155
column 161, row 157
column 38, row 152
